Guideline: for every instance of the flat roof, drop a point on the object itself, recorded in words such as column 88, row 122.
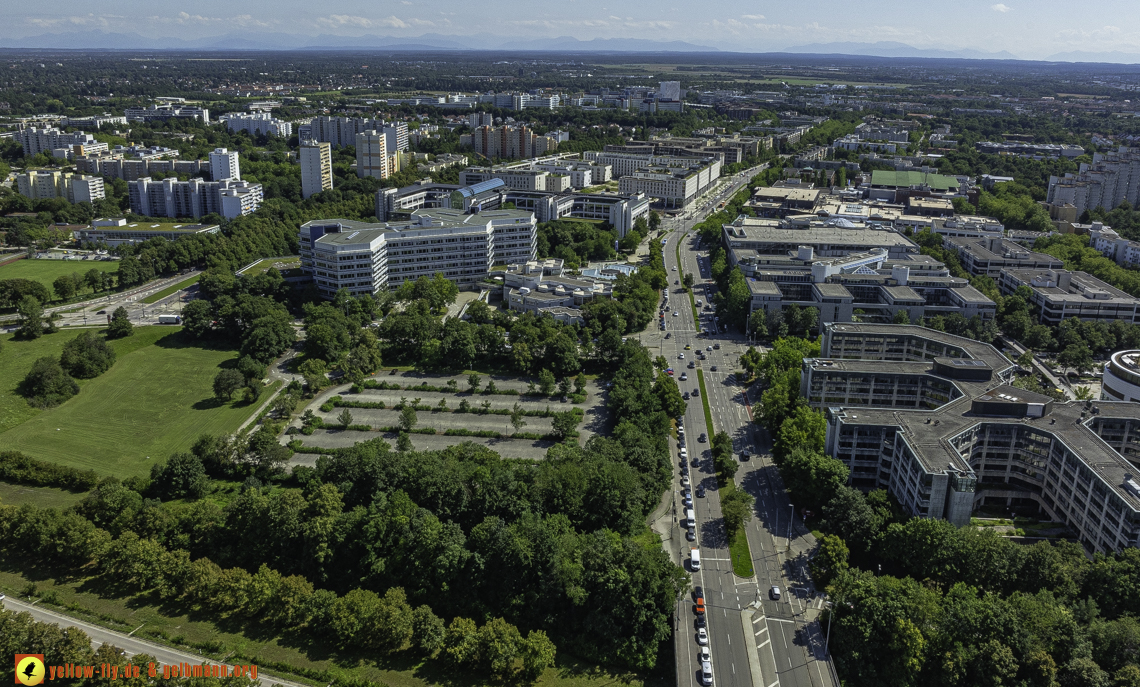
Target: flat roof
column 899, row 179
column 174, row 227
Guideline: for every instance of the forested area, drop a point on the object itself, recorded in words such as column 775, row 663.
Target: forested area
column 917, row 601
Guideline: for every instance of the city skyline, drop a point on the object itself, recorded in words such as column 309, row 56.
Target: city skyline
column 977, row 28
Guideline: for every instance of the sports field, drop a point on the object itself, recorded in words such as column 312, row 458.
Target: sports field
column 46, row 271
column 154, row 401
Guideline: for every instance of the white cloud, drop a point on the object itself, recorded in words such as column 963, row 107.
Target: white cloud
column 338, row 21
column 1000, row 7
column 752, row 17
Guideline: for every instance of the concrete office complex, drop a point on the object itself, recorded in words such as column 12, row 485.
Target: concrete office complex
column 116, row 231
column 1036, row 151
column 193, row 198
column 1059, row 294
column 540, row 287
column 1112, row 178
column 895, row 187
column 989, row 256
column 316, row 168
column 931, row 418
column 164, row 111
column 840, row 270
column 49, row 140
column 1121, row 380
column 675, row 181
column 76, row 188
column 366, row 257
column 517, row 178
column 257, row 123
column 620, row 212
column 224, row 165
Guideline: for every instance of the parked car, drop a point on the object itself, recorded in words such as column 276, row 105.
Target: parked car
column 696, row 393
column 702, row 636
column 702, row 438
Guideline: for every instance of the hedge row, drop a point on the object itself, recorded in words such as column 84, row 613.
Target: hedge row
column 20, row 469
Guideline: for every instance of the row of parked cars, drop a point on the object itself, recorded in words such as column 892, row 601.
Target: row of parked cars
column 703, row 649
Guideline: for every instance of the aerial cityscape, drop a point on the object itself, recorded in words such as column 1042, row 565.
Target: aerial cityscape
column 458, row 345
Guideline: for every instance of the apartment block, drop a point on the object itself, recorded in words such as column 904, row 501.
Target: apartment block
column 255, row 123
column 342, row 131
column 316, row 168
column 76, row 188
column 931, row 418
column 224, row 165
column 372, row 159
column 371, row 257
column 193, row 198
column 48, row 140
column 1111, row 245
column 1060, row 294
column 1112, row 178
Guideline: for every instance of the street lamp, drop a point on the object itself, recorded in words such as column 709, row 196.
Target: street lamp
column 791, row 519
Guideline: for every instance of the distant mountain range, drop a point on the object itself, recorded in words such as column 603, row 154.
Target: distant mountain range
column 894, row 49
column 1115, row 57
column 99, row 40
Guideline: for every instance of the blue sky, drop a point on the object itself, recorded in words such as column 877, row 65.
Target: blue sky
column 1027, row 28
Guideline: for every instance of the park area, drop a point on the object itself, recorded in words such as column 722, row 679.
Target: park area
column 445, row 416
column 154, row 401
column 46, row 271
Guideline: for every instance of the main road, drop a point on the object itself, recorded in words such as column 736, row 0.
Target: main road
column 753, row 639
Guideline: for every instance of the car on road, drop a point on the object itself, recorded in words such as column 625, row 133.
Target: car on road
column 674, row 268
column 706, row 674
column 700, row 607
column 698, row 592
column 101, row 312
column 686, row 396
column 668, row 335
column 713, row 368
column 680, row 356
column 745, row 454
column 691, row 535
column 676, row 314
column 696, row 393
column 696, row 461
column 708, row 348
column 684, row 375
column 688, row 347
column 669, row 372
column 702, row 636
column 700, row 492
column 774, row 593
column 692, row 364
column 700, row 621
column 717, row 347
column 702, row 438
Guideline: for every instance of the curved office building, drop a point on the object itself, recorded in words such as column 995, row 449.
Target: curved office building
column 1122, row 377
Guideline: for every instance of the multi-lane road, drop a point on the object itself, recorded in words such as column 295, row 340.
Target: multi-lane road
column 753, row 638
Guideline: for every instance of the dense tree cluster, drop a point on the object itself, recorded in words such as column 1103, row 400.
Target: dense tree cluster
column 247, row 311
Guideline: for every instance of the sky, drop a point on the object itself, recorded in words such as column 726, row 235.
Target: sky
column 1029, row 29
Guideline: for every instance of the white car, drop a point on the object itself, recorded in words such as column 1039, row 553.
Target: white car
column 674, row 268
column 681, row 356
column 676, row 314
column 703, row 637
column 704, row 654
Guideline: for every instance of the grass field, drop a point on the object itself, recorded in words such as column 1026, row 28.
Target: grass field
column 43, row 497
column 156, row 297
column 153, row 402
column 46, row 271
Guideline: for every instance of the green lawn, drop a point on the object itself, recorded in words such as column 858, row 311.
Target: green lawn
column 156, row 297
column 43, row 497
column 738, row 548
column 283, row 265
column 46, row 271
column 153, row 402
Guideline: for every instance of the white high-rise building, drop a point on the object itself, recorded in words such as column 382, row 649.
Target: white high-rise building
column 257, row 123
column 224, row 165
column 316, row 168
column 372, row 155
column 193, row 198
column 76, row 188
column 669, row 90
column 36, row 141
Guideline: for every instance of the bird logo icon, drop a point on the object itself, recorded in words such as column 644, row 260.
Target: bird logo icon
column 29, row 669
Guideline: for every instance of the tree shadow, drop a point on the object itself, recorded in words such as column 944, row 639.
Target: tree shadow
column 182, row 339
column 208, row 404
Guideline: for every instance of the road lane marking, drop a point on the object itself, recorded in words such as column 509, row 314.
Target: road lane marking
column 766, row 643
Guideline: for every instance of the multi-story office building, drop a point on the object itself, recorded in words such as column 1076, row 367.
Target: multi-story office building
column 76, row 188
column 540, row 287
column 989, row 256
column 94, row 121
column 371, row 257
column 1112, row 178
column 164, row 111
column 674, row 185
column 1036, row 151
column 193, row 198
column 669, row 90
column 518, row 178
column 620, row 212
column 1121, row 380
column 316, row 168
column 48, row 140
column 931, row 418
column 116, row 231
column 224, row 165
column 255, row 123
column 372, row 159
column 843, row 271
column 1059, row 294
column 625, row 163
